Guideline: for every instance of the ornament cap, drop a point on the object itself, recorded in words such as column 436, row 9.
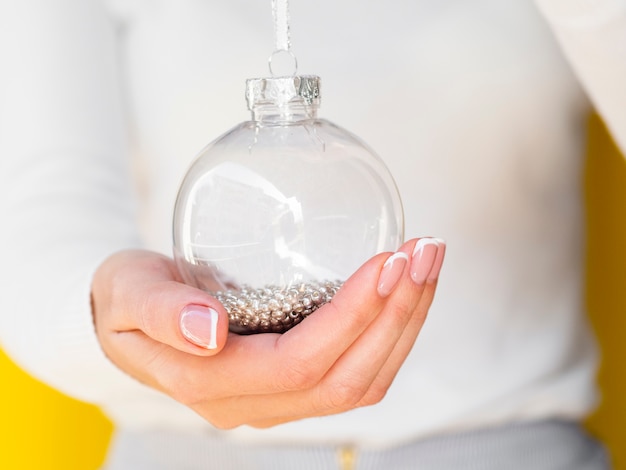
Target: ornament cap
column 281, row 91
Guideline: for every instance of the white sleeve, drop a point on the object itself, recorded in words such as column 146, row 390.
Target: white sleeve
column 66, row 199
column 592, row 34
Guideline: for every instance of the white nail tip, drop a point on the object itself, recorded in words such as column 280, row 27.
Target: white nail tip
column 213, row 341
column 422, row 242
column 395, row 256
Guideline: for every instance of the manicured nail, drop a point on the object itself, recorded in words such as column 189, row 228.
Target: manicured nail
column 391, row 273
column 199, row 325
column 441, row 251
column 424, row 255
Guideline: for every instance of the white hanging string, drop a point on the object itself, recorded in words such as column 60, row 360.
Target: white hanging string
column 282, row 48
column 280, row 12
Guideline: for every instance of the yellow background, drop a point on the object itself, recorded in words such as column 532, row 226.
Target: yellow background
column 42, row 429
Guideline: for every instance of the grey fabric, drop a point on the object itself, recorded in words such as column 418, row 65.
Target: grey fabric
column 546, row 445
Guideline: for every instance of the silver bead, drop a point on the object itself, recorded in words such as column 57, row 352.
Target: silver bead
column 273, row 308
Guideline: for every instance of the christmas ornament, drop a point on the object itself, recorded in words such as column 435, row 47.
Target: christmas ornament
column 276, row 213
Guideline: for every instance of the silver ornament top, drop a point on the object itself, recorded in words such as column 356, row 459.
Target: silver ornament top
column 280, row 91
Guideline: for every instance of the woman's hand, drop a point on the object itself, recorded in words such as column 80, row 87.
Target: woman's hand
column 175, row 338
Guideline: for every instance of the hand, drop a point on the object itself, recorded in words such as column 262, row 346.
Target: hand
column 175, row 338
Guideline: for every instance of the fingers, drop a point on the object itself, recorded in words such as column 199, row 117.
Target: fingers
column 401, row 319
column 140, row 291
column 312, row 347
column 353, row 382
column 361, row 375
column 352, row 375
column 409, row 335
column 323, row 337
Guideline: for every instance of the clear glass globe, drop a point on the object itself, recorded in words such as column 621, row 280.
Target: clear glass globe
column 276, row 213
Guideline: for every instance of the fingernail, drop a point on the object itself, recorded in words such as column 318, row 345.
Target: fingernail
column 199, row 325
column 424, row 255
column 391, row 273
column 441, row 251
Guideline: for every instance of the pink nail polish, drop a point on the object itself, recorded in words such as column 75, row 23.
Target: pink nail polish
column 441, row 251
column 424, row 255
column 199, row 325
column 391, row 273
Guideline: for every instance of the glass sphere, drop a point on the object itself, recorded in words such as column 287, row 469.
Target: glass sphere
column 276, row 213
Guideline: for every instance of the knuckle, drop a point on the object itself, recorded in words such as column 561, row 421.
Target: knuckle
column 375, row 394
column 117, row 289
column 148, row 321
column 399, row 313
column 344, row 394
column 297, row 373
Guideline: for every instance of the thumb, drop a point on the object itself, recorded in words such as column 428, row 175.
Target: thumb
column 141, row 290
